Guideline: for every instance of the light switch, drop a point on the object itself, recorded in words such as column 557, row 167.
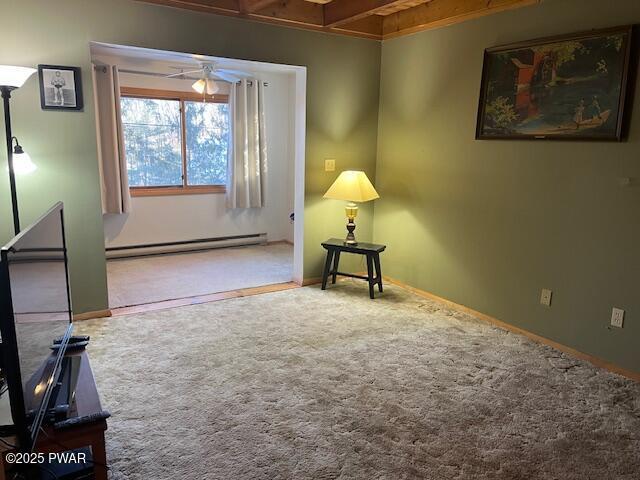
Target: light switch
column 329, row 165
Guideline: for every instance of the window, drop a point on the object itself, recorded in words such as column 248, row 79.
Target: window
column 174, row 141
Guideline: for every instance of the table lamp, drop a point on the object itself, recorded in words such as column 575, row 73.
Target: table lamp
column 352, row 186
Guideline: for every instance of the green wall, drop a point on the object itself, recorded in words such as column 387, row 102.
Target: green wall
column 488, row 224
column 485, row 224
column 342, row 108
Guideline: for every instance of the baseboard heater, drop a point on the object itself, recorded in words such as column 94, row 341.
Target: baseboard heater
column 143, row 250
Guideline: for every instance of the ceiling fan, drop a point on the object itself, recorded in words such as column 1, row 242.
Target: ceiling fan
column 209, row 73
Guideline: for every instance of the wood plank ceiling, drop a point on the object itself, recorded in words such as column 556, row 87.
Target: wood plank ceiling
column 377, row 19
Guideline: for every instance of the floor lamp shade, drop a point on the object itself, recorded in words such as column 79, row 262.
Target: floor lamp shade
column 352, row 186
column 14, row 77
column 22, row 163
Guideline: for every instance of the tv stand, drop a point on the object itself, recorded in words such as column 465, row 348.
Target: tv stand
column 83, row 427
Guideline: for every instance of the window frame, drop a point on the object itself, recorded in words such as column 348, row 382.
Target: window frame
column 182, row 97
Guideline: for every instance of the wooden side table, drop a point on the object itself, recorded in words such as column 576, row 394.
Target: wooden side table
column 336, row 246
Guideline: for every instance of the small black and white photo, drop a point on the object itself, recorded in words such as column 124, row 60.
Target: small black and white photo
column 60, row 88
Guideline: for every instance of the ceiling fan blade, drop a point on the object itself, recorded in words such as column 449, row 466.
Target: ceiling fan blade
column 182, row 73
column 224, row 76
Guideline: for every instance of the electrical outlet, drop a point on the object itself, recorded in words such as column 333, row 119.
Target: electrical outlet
column 329, row 165
column 617, row 317
column 545, row 297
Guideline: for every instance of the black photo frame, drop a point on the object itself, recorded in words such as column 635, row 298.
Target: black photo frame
column 543, row 89
column 60, row 88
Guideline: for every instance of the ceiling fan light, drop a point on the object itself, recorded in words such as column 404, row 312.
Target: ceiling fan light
column 199, row 86
column 212, row 87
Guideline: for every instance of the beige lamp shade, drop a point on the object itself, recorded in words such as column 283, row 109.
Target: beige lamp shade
column 352, row 186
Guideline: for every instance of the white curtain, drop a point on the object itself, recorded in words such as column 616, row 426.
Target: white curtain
column 247, row 163
column 111, row 158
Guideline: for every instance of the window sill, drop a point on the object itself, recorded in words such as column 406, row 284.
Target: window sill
column 164, row 191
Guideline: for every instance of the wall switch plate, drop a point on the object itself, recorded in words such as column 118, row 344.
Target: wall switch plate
column 329, row 165
column 617, row 317
column 545, row 297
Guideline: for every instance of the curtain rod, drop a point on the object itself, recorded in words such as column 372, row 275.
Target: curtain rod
column 163, row 75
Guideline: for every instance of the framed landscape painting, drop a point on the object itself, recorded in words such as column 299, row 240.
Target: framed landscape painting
column 568, row 88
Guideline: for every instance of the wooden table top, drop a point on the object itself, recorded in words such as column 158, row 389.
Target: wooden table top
column 361, row 247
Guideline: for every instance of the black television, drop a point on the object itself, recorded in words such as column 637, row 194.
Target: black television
column 35, row 309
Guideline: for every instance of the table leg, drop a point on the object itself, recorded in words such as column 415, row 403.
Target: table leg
column 370, row 274
column 99, row 458
column 376, row 259
column 327, row 267
column 336, row 261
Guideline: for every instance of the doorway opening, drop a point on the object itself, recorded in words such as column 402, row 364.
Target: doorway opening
column 181, row 238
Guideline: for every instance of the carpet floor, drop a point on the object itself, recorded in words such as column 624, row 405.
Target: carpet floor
column 311, row 384
column 136, row 281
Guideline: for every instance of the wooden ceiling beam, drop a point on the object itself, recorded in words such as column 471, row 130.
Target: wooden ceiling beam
column 315, row 16
column 339, row 12
column 296, row 13
column 370, row 27
column 439, row 13
column 249, row 6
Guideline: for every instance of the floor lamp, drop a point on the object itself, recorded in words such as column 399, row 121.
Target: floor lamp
column 11, row 78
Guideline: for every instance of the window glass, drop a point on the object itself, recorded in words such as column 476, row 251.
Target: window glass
column 153, row 148
column 207, row 133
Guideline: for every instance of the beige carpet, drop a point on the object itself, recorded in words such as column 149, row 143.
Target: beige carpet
column 134, row 281
column 311, row 384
